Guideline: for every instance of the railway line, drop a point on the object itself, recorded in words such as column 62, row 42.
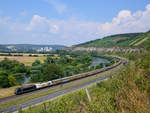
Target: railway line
column 59, row 93
column 21, row 90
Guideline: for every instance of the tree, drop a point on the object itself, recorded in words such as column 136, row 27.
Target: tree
column 101, row 65
column 52, row 71
column 20, row 68
column 12, row 80
column 36, row 63
column 36, row 77
column 4, row 81
column 48, row 72
column 49, row 60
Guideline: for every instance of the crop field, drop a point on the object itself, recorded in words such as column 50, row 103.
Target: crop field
column 24, row 59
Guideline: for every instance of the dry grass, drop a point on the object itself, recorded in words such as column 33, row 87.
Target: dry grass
column 6, row 92
column 24, row 59
column 132, row 99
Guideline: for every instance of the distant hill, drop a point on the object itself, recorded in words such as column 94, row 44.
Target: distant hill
column 120, row 40
column 28, row 47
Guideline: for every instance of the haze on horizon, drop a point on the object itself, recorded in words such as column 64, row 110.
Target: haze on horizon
column 69, row 22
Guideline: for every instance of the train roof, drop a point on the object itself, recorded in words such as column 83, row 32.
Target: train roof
column 27, row 86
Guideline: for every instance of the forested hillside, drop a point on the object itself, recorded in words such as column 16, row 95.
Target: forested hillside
column 120, row 40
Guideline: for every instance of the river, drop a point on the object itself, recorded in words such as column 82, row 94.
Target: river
column 98, row 60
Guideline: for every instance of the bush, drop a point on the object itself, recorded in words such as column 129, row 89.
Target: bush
column 4, row 81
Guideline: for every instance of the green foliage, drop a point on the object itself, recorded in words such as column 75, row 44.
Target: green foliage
column 49, row 60
column 12, row 68
column 126, row 92
column 101, row 65
column 52, row 71
column 111, row 41
column 12, row 80
column 54, row 67
column 36, row 63
column 61, row 66
column 49, row 72
column 4, row 81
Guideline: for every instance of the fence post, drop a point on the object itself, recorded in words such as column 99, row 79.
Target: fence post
column 89, row 98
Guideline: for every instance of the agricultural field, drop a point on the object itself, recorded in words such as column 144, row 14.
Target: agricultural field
column 24, row 59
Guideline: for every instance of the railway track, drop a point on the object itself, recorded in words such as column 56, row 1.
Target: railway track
column 33, row 102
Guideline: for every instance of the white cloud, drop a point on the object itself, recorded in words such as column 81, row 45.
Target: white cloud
column 73, row 31
column 148, row 7
column 42, row 24
column 37, row 22
column 123, row 16
column 127, row 22
column 54, row 29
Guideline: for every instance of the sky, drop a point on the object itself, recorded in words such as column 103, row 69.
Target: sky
column 70, row 22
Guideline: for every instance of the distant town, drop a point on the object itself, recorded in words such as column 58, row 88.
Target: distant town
column 29, row 48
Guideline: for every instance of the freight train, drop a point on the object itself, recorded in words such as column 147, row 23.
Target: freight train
column 29, row 88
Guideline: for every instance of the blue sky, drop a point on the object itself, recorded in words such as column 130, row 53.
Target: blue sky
column 69, row 22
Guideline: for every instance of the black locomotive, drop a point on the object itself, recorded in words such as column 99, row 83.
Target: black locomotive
column 21, row 90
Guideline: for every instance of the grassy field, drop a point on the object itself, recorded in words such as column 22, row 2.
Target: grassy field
column 52, row 90
column 24, row 59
